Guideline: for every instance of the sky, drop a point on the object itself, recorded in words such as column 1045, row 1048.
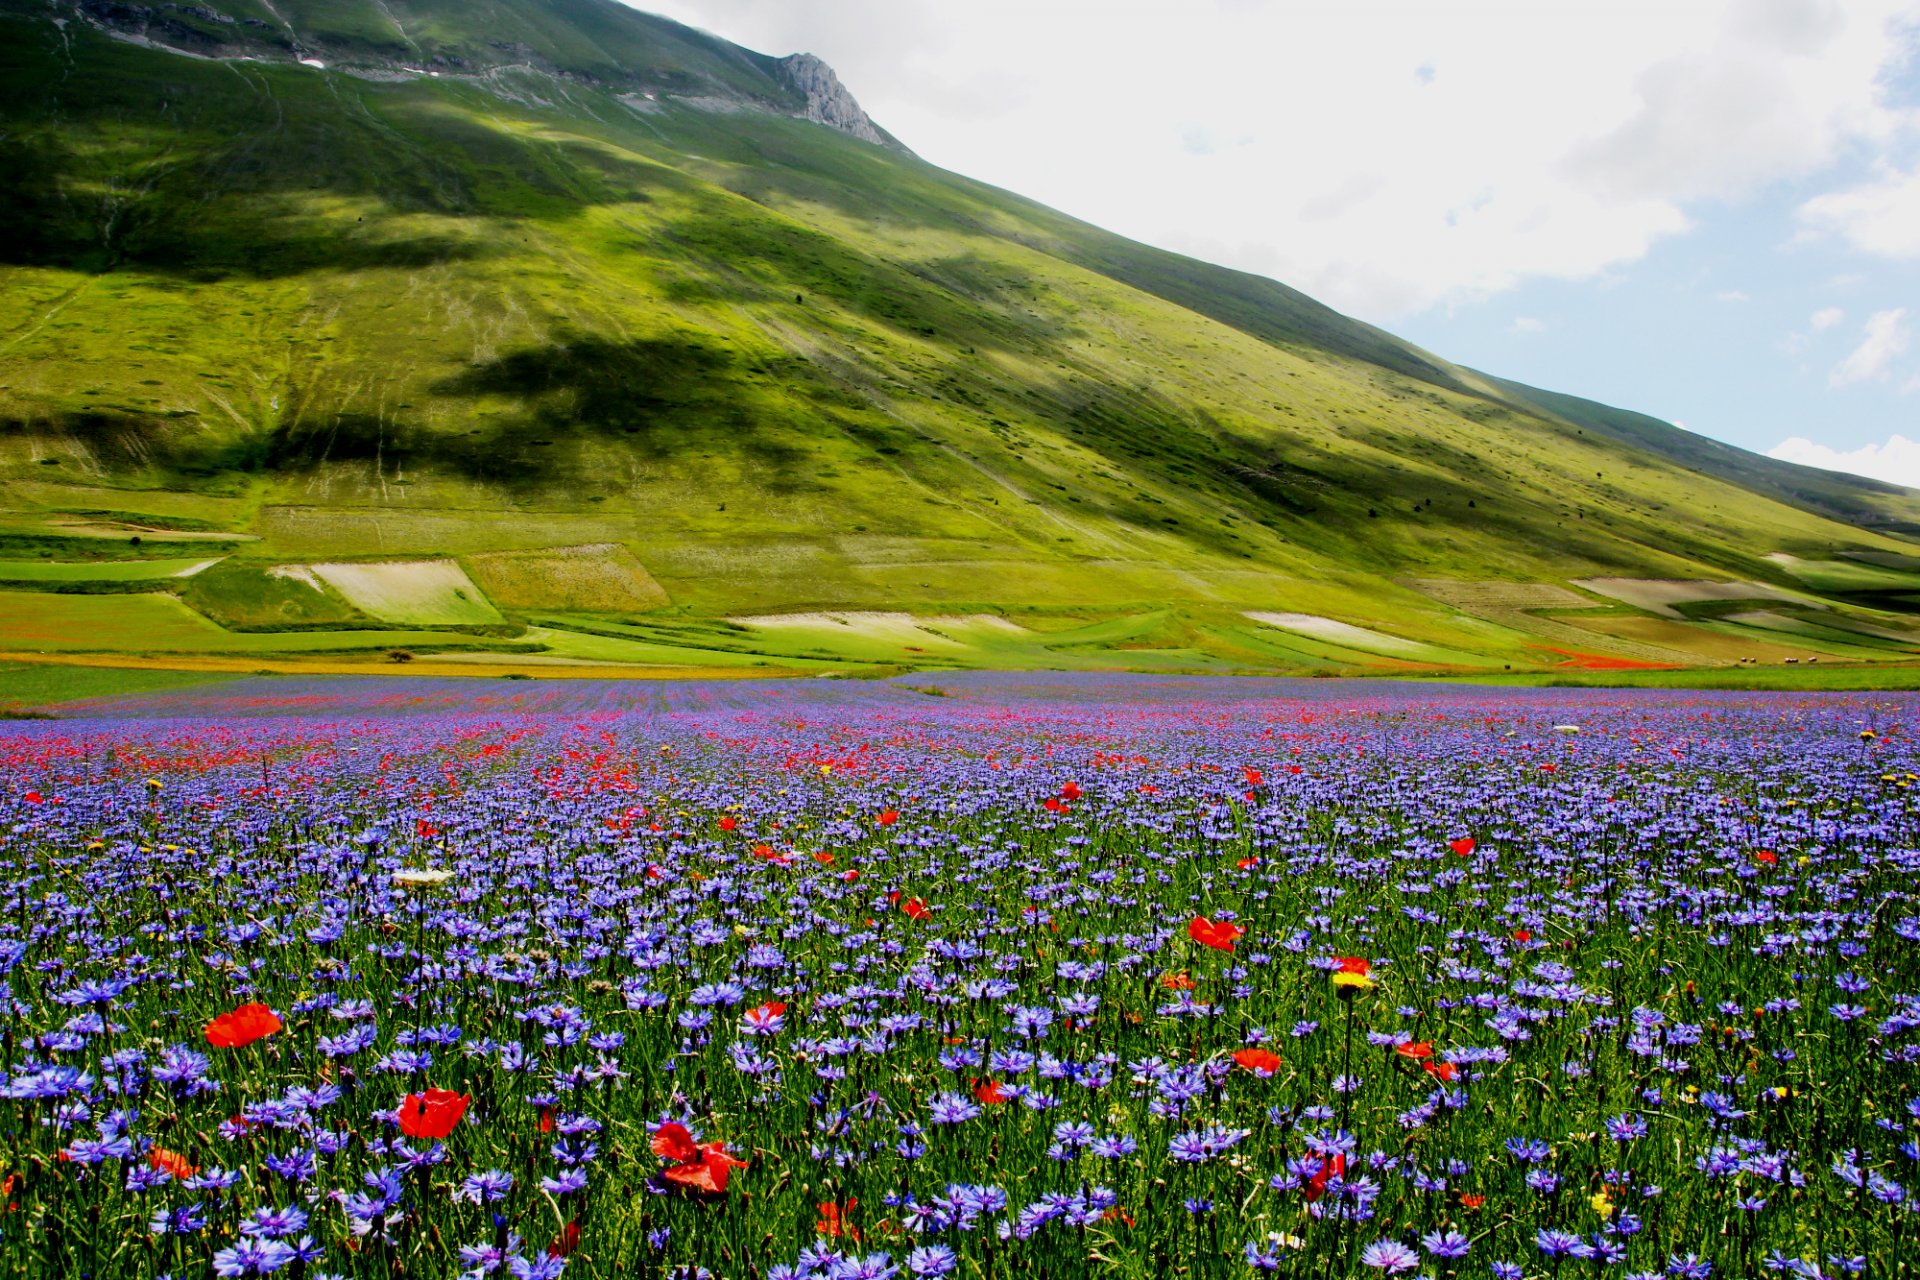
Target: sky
column 1705, row 210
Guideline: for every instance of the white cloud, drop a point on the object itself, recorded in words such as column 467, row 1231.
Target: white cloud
column 1529, row 324
column 1897, row 461
column 1825, row 318
column 1733, row 295
column 1884, row 339
column 1880, row 217
column 1396, row 156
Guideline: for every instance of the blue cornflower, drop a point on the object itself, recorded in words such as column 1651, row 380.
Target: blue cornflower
column 952, row 1108
column 272, row 1224
column 1556, row 1244
column 1268, row 1260
column 1625, row 1128
column 569, row 1181
column 932, row 1260
column 248, row 1257
column 1390, row 1256
column 485, row 1188
column 541, row 1266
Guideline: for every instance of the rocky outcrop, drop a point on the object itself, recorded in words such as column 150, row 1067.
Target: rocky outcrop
column 828, row 101
column 197, row 27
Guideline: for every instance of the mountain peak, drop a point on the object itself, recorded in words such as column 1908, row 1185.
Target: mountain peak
column 594, row 43
column 828, row 101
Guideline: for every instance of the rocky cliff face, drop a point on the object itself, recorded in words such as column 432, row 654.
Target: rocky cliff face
column 650, row 59
column 828, row 101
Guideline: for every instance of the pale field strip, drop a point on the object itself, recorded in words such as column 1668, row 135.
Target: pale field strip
column 1341, row 633
column 300, row 573
column 1511, row 603
column 602, row 577
column 423, row 592
column 325, row 531
column 1835, row 627
column 1659, row 595
column 104, row 571
column 896, row 628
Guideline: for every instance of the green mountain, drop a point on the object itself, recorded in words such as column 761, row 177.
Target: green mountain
column 549, row 330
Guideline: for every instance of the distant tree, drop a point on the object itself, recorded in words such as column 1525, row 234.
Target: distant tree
column 399, row 655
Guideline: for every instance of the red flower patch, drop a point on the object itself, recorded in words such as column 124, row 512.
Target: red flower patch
column 432, row 1114
column 242, row 1027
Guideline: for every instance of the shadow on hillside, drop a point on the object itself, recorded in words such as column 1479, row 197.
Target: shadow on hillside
column 201, row 171
column 744, row 254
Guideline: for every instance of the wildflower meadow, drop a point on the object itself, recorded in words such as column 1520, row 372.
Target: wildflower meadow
column 971, row 976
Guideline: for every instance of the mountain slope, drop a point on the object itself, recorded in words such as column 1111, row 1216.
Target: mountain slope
column 1853, row 499
column 363, row 310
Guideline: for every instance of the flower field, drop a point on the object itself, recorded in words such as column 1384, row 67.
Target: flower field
column 993, row 977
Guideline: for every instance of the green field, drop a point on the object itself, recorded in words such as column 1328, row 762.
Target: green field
column 25, row 686
column 101, row 571
column 764, row 368
column 44, row 623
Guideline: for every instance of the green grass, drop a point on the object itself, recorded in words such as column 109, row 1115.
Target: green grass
column 247, row 597
column 160, row 624
column 788, row 370
column 96, row 571
column 1801, row 678
column 25, row 686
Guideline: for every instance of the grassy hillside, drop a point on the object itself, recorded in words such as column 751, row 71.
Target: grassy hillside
column 312, row 316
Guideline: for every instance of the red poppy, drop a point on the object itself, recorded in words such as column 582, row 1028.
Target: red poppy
column 1247, row 864
column 546, row 1119
column 762, row 1017
column 32, row 797
column 1767, row 856
column 242, row 1027
column 916, row 909
column 1208, row 934
column 698, row 1166
column 432, row 1114
column 1352, row 964
column 1523, row 935
column 1176, row 981
column 1416, row 1050
column 1463, row 846
column 989, row 1093
column 1255, row 777
column 1471, row 1202
column 824, row 858
column 833, row 1220
column 1070, row 792
column 1334, row 1166
column 567, row 1241
column 175, row 1164
column 1054, row 805
column 888, row 817
column 729, row 822
column 1441, row 1071
column 1265, row 1061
